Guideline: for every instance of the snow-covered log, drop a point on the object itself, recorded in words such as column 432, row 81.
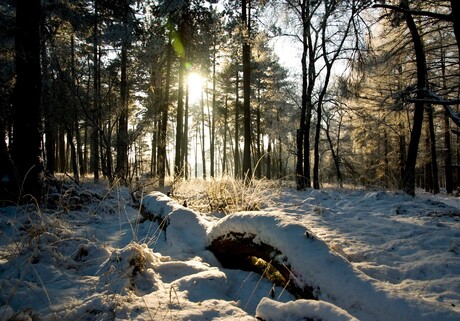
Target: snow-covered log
column 237, row 250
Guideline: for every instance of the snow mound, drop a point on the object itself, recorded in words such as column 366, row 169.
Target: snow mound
column 129, row 269
column 300, row 310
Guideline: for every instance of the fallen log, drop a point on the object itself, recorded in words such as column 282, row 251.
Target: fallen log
column 239, row 251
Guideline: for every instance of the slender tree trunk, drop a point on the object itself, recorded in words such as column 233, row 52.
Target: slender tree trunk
column 26, row 150
column 427, row 174
column 96, row 112
column 447, row 138
column 49, row 116
column 269, row 159
column 73, row 155
column 203, row 147
column 164, row 120
column 185, row 134
column 237, row 132
column 246, row 22
column 409, row 172
column 224, row 147
column 214, row 110
column 258, row 170
column 303, row 133
column 335, row 156
column 122, row 136
column 61, row 154
column 434, row 159
column 75, row 116
column 178, row 166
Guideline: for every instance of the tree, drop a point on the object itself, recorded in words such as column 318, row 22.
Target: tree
column 246, row 34
column 26, row 147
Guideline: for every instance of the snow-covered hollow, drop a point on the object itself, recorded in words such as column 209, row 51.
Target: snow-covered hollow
column 313, row 263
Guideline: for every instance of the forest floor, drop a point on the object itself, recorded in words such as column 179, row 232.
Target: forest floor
column 92, row 253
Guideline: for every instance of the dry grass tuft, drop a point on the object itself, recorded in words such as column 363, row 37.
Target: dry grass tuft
column 226, row 195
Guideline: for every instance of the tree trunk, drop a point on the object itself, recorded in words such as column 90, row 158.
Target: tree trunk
column 94, row 151
column 335, row 156
column 409, row 172
column 122, row 135
column 203, row 148
column 184, row 150
column 73, row 156
column 303, row 133
column 164, row 120
column 246, row 23
column 61, row 154
column 26, row 136
column 269, row 160
column 214, row 110
column 237, row 120
column 434, row 160
column 428, row 174
column 178, row 166
column 224, row 147
column 258, row 170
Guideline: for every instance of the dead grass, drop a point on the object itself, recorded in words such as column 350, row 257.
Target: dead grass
column 226, row 194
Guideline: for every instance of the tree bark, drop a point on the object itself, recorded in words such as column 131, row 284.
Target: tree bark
column 224, row 147
column 214, row 111
column 178, row 166
column 236, row 157
column 122, row 135
column 434, row 159
column 246, row 24
column 94, row 151
column 164, row 120
column 303, row 133
column 26, row 136
column 409, row 171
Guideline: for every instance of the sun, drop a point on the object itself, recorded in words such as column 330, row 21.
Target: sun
column 196, row 83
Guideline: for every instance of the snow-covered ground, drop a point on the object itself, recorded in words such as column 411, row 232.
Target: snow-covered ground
column 367, row 255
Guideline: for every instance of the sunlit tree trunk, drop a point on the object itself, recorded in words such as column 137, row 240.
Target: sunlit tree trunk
column 178, row 165
column 236, row 156
column 224, row 147
column 214, row 110
column 203, row 147
column 164, row 119
column 184, row 150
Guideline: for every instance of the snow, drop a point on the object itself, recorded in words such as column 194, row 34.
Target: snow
column 368, row 255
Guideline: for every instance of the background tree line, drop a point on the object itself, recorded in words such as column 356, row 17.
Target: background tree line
column 101, row 87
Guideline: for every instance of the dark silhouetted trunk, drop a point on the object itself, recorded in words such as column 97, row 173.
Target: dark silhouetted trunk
column 409, row 172
column 26, row 150
column 246, row 24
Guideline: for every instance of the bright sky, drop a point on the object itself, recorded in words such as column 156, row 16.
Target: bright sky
column 195, row 86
